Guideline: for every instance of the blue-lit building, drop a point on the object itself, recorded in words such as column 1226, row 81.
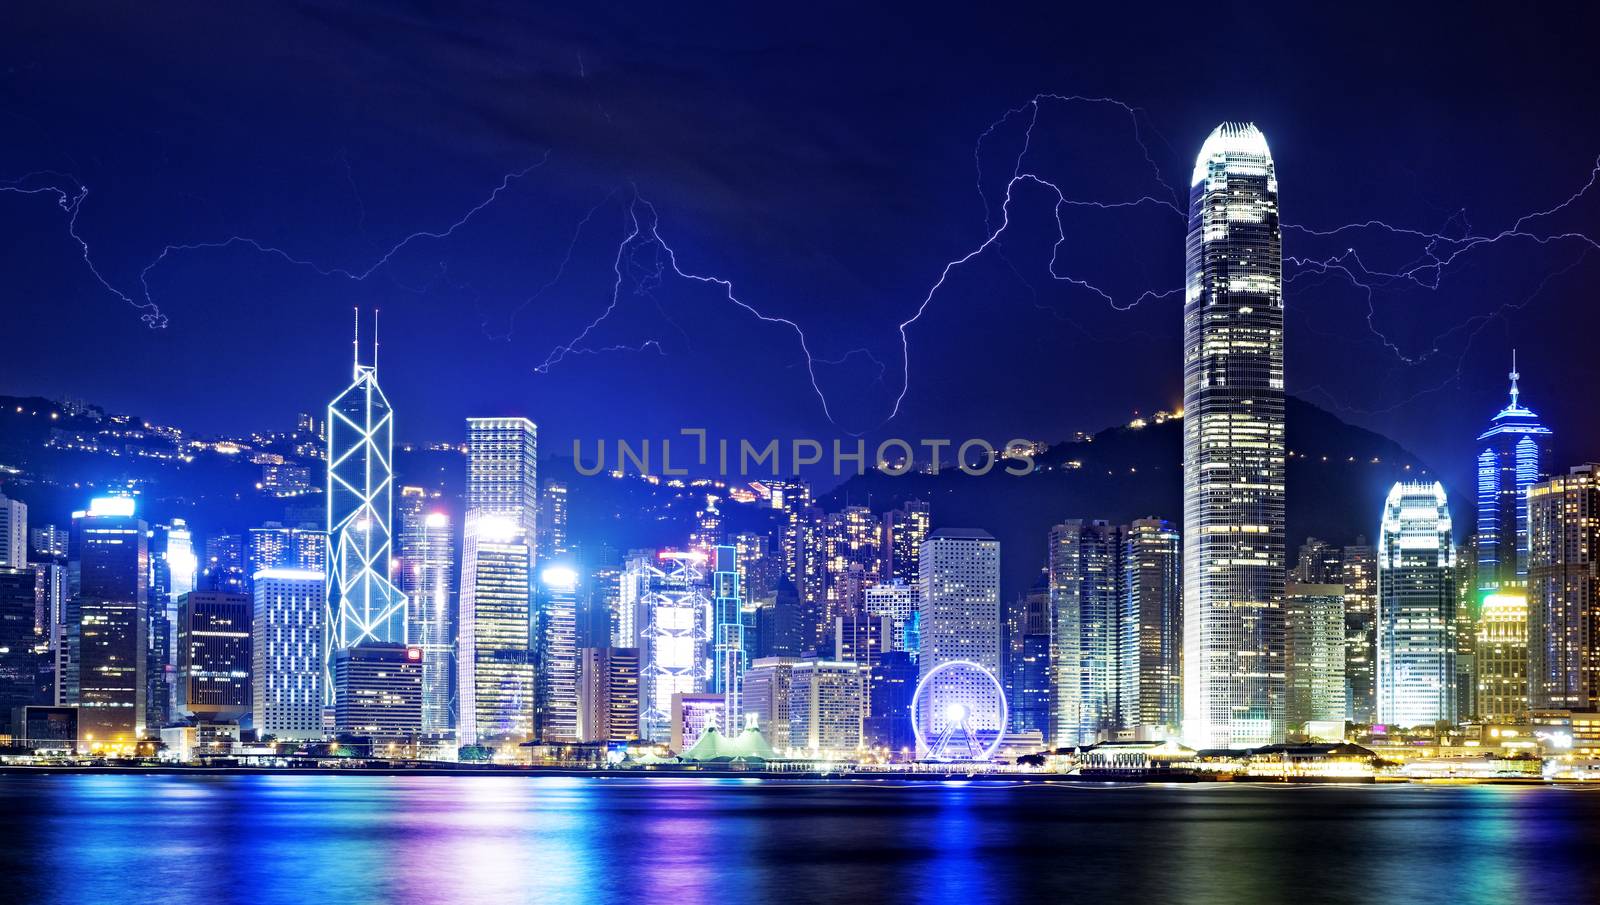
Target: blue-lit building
column 1510, row 460
column 363, row 604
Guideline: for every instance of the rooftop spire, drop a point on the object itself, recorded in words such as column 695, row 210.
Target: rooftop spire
column 355, row 344
column 1514, row 377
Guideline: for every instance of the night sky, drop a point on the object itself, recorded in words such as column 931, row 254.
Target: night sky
column 823, row 160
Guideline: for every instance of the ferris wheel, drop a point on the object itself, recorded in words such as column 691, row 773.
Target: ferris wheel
column 958, row 712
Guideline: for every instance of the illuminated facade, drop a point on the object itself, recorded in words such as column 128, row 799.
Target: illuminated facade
column 362, row 603
column 1564, row 591
column 378, row 688
column 495, row 639
column 1502, row 658
column 494, row 653
column 1233, row 447
column 214, row 658
column 608, row 694
column 557, row 676
column 897, row 601
column 286, row 648
column 1416, row 608
column 1359, row 571
column 1510, row 461
column 674, row 618
column 959, row 600
column 553, row 519
column 825, row 707
column 1314, row 615
column 108, row 622
column 426, row 575
column 1150, row 667
column 766, row 698
column 728, row 647
column 1084, row 565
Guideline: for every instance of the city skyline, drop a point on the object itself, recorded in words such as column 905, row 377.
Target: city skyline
column 1414, row 185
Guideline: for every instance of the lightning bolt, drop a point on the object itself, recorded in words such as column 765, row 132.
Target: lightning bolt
column 70, row 195
column 644, row 258
column 70, row 199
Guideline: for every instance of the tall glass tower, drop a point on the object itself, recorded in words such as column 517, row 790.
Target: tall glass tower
column 1510, row 461
column 1233, row 447
column 1416, row 607
column 362, row 603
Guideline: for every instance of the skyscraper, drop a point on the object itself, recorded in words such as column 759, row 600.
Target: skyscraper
column 13, row 532
column 728, row 650
column 362, row 603
column 674, row 620
column 494, row 646
column 503, row 471
column 1150, row 667
column 496, row 683
column 825, row 712
column 1510, row 460
column 553, row 519
column 557, row 670
column 108, row 622
column 1416, row 608
column 286, row 639
column 608, row 694
column 427, row 578
column 1084, row 564
column 25, row 676
column 1502, row 657
column 1233, row 447
column 960, row 599
column 273, row 546
column 1314, row 614
column 1564, row 591
column 1359, row 568
column 213, row 655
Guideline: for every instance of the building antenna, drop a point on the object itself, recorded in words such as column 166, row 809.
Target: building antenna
column 375, row 339
column 1514, row 377
column 356, row 343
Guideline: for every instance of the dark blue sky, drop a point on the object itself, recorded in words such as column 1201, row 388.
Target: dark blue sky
column 821, row 158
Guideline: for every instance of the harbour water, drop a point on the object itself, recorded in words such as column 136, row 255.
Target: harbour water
column 274, row 840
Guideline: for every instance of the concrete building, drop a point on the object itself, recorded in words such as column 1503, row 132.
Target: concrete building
column 286, row 649
column 1315, row 653
column 825, row 708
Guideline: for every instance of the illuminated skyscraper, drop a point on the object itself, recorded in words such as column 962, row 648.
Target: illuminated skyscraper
column 108, row 622
column 1510, row 461
column 1150, row 667
column 272, row 546
column 557, row 675
column 363, row 604
column 1084, row 565
column 1233, row 447
column 427, row 577
column 494, row 646
column 553, row 519
column 728, row 650
column 13, row 532
column 213, row 655
column 503, row 471
column 673, row 616
column 1502, row 658
column 1416, row 608
column 825, row 707
column 496, row 684
column 1359, row 568
column 608, row 694
column 286, row 640
column 1564, row 591
column 1314, row 614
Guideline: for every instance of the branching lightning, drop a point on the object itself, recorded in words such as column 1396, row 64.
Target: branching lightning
column 644, row 258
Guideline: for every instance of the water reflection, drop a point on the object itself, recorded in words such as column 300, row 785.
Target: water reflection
column 481, row 839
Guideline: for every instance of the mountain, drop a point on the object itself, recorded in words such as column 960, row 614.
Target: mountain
column 1338, row 476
